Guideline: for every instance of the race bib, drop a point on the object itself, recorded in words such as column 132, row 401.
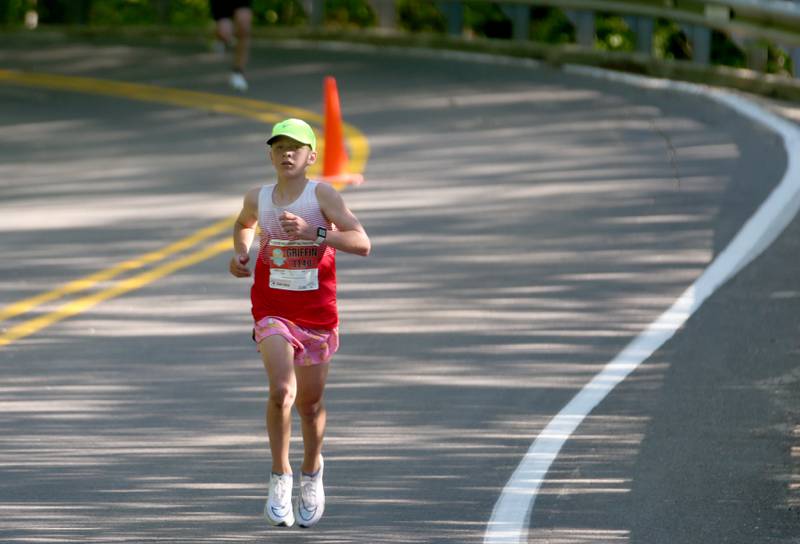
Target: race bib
column 293, row 265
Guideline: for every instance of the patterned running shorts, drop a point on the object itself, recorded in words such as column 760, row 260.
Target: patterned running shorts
column 311, row 346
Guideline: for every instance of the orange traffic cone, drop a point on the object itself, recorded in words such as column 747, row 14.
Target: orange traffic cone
column 334, row 160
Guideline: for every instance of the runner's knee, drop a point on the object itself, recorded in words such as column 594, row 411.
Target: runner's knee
column 282, row 396
column 243, row 19
column 309, row 409
column 225, row 29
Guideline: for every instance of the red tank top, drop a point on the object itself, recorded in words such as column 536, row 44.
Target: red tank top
column 294, row 279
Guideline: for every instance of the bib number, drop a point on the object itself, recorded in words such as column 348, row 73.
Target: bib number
column 293, row 265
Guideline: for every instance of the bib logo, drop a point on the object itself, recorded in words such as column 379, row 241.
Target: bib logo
column 277, row 257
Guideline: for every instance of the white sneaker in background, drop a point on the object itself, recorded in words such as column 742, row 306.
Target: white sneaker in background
column 278, row 509
column 238, row 82
column 311, row 502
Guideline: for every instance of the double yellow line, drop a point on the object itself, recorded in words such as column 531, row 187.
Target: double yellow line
column 74, row 307
column 264, row 112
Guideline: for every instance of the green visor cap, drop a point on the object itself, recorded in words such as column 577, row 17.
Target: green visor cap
column 295, row 129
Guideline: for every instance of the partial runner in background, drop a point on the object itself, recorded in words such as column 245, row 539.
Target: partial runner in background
column 234, row 18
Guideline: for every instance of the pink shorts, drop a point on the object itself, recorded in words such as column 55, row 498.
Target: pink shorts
column 311, row 346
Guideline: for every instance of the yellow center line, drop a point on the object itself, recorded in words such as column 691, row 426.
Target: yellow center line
column 88, row 282
column 82, row 304
column 263, row 112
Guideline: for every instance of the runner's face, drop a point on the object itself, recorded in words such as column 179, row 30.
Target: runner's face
column 290, row 156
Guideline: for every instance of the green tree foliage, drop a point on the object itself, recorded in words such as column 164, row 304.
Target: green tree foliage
column 551, row 25
column 349, row 13
column 123, row 12
column 189, row 12
column 613, row 34
column 13, row 11
column 420, row 16
column 278, row 13
column 147, row 12
column 725, row 51
column 778, row 61
column 670, row 42
column 486, row 19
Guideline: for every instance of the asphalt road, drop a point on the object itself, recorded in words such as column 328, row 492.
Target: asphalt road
column 526, row 224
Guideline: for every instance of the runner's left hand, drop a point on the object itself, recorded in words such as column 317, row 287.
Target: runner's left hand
column 295, row 226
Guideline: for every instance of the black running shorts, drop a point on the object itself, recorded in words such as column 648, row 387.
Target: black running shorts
column 223, row 9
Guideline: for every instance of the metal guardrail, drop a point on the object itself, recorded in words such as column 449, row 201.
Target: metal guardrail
column 777, row 21
column 752, row 24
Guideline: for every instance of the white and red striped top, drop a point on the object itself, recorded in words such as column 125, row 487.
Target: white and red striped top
column 295, row 280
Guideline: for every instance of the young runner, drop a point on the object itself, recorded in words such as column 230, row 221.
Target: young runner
column 303, row 223
column 234, row 17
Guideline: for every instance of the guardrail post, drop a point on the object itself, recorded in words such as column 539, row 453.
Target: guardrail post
column 315, row 10
column 794, row 53
column 643, row 28
column 454, row 13
column 584, row 26
column 386, row 12
column 701, row 44
column 520, row 15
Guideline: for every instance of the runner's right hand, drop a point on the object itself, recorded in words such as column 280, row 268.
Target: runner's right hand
column 238, row 265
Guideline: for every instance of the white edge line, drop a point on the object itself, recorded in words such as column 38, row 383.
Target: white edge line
column 509, row 521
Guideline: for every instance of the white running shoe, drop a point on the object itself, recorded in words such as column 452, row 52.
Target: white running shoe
column 238, row 82
column 278, row 509
column 311, row 502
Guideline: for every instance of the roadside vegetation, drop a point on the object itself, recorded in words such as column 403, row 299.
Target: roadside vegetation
column 481, row 19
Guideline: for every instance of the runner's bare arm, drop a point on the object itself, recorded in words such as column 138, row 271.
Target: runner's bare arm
column 243, row 234
column 349, row 235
